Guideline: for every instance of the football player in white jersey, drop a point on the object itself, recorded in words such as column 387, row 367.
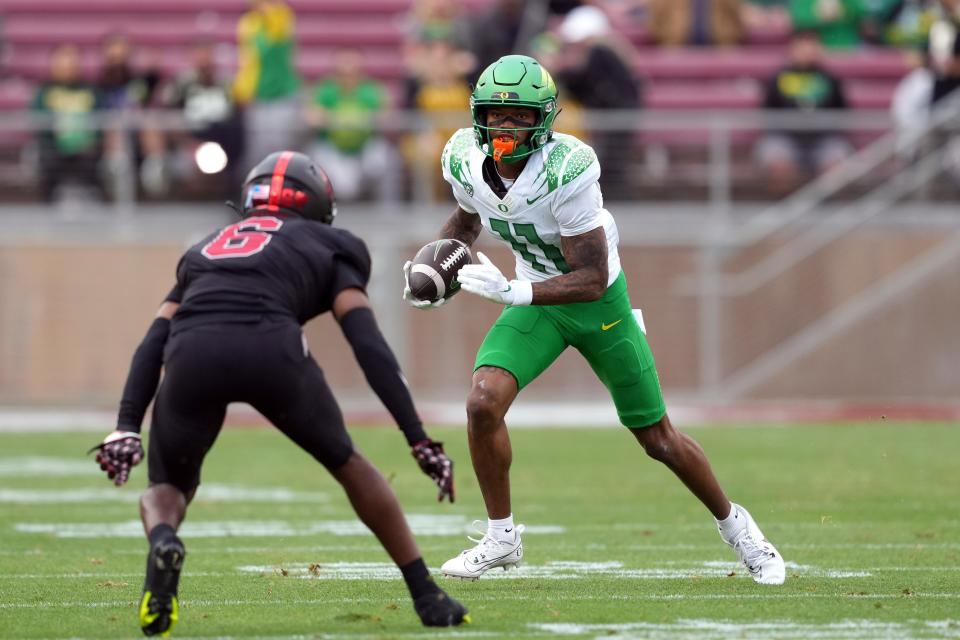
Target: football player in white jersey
column 537, row 191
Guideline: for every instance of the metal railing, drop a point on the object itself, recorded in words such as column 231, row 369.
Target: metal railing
column 727, row 241
column 721, row 138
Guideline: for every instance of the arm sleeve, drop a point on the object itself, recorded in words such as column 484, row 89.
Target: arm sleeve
column 382, row 371
column 143, row 377
column 579, row 204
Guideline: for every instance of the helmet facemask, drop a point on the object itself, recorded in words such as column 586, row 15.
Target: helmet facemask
column 514, row 81
column 509, row 149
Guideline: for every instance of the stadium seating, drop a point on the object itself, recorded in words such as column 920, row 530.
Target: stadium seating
column 746, row 93
column 236, row 7
column 637, row 34
column 164, row 32
column 178, row 31
column 673, row 79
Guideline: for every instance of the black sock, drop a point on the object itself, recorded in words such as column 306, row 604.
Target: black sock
column 160, row 533
column 418, row 578
column 165, row 582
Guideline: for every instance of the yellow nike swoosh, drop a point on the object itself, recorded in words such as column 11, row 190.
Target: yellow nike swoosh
column 604, row 327
column 146, row 617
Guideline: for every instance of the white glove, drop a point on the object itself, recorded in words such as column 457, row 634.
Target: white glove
column 423, row 305
column 486, row 281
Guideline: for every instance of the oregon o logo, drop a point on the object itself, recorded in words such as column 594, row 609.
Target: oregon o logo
column 503, row 207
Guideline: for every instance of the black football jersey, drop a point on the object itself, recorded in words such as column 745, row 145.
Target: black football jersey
column 267, row 267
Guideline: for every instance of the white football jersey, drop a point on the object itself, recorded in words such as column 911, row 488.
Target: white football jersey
column 556, row 195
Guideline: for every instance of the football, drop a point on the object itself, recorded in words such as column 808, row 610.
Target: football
column 433, row 274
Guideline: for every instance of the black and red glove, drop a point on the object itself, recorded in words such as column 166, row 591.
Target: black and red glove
column 118, row 454
column 435, row 463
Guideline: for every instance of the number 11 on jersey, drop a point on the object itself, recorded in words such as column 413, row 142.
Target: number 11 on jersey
column 529, row 236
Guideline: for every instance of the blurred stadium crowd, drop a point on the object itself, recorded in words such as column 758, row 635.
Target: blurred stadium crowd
column 176, row 99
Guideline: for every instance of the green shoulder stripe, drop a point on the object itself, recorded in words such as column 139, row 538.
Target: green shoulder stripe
column 554, row 164
column 578, row 162
column 567, row 161
column 458, row 156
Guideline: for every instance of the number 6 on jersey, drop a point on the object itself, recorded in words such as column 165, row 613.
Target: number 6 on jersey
column 242, row 239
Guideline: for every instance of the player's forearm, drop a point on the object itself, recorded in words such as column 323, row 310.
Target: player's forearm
column 461, row 226
column 587, row 281
column 382, row 371
column 583, row 285
column 143, row 377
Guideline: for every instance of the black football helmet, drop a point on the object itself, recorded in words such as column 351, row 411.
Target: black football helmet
column 289, row 182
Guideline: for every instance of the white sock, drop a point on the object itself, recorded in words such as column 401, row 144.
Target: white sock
column 501, row 529
column 733, row 523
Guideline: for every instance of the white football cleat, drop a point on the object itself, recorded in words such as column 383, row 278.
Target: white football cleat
column 761, row 558
column 489, row 553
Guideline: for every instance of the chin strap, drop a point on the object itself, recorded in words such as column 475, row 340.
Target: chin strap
column 236, row 208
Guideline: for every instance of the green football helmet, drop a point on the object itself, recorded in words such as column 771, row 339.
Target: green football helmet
column 516, row 81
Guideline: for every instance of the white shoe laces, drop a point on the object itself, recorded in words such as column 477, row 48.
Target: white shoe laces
column 750, row 550
column 486, row 543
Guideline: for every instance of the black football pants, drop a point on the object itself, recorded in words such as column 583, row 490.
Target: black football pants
column 265, row 365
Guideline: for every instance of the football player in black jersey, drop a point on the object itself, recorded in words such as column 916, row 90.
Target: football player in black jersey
column 230, row 331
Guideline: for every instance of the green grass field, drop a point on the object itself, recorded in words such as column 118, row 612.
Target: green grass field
column 867, row 517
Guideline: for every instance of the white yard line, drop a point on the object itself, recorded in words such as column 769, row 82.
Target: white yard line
column 379, row 571
column 102, row 576
column 766, row 630
column 36, row 466
column 694, row 630
column 207, row 492
column 287, row 549
column 906, row 546
column 430, row 635
column 661, row 528
column 422, row 525
column 558, row 570
column 198, row 547
column 892, row 546
column 496, row 597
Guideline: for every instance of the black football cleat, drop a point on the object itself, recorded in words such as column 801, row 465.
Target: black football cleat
column 159, row 609
column 437, row 609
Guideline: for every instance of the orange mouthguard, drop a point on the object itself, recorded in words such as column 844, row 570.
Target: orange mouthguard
column 502, row 146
